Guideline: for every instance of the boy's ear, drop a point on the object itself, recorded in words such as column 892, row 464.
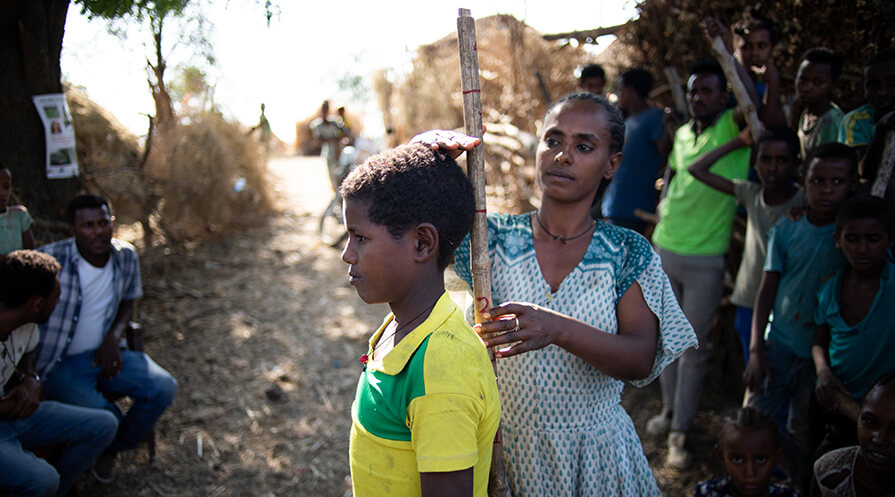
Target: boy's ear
column 34, row 304
column 778, row 456
column 426, row 240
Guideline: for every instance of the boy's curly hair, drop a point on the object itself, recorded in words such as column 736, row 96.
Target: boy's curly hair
column 831, row 150
column 750, row 419
column 752, row 21
column 823, row 55
column 26, row 274
column 413, row 184
column 864, row 207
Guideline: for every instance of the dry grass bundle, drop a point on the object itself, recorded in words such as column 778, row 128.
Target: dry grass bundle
column 215, row 177
column 520, row 74
column 109, row 159
column 307, row 144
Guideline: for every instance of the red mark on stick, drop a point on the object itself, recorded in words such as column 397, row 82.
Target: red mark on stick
column 485, row 304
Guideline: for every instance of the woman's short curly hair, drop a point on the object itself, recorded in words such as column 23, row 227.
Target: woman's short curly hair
column 26, row 274
column 413, row 184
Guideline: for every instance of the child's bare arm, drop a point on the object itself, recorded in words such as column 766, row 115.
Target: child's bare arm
column 827, row 383
column 627, row 355
column 771, row 114
column 757, row 368
column 27, row 239
column 448, row 484
column 701, row 169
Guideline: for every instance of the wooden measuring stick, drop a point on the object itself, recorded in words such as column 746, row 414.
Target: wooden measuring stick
column 475, row 164
column 884, row 173
column 744, row 102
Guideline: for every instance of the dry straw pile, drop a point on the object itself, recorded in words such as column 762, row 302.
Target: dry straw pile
column 185, row 185
column 520, row 74
column 214, row 177
column 110, row 157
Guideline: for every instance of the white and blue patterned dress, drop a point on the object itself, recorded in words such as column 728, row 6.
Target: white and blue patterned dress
column 564, row 430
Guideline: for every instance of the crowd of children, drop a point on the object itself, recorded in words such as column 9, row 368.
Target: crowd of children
column 583, row 304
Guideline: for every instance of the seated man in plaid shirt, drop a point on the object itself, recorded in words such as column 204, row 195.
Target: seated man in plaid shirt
column 79, row 352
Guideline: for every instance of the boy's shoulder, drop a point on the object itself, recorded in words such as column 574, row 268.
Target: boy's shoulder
column 454, row 339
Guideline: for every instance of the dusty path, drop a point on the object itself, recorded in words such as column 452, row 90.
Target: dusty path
column 263, row 335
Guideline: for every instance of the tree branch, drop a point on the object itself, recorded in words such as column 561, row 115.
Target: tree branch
column 587, row 36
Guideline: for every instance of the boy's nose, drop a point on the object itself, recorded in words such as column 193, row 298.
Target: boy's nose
column 346, row 255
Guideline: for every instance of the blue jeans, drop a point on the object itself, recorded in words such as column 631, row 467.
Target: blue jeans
column 76, row 380
column 85, row 433
column 743, row 324
column 791, row 381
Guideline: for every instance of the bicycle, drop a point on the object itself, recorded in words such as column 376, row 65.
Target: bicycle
column 330, row 229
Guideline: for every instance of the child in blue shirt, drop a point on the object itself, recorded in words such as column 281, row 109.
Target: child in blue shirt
column 855, row 333
column 801, row 255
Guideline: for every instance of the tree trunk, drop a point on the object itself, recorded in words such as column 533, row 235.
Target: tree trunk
column 30, row 45
column 164, row 109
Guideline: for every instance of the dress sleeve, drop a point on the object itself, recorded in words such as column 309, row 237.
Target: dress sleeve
column 675, row 333
column 463, row 254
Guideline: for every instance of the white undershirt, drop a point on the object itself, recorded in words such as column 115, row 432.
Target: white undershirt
column 96, row 297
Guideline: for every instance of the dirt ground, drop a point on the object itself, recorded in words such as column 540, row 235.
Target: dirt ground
column 264, row 336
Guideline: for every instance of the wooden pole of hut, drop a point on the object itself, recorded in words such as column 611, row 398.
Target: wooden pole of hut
column 475, row 164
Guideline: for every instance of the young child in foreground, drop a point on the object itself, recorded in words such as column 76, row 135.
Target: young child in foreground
column 867, row 469
column 427, row 407
column 15, row 222
column 801, row 256
column 765, row 204
column 855, row 333
column 749, row 448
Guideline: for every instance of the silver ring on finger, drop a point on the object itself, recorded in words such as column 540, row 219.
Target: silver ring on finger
column 516, row 328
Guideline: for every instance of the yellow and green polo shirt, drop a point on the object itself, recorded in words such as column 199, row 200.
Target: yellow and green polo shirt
column 432, row 406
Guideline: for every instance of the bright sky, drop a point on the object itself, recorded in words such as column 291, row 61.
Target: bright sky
column 296, row 62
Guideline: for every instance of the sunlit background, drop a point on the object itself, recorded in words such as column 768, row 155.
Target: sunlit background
column 300, row 58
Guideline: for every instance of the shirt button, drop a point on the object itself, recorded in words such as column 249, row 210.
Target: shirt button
column 75, row 319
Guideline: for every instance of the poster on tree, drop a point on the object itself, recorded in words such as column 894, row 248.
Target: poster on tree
column 62, row 162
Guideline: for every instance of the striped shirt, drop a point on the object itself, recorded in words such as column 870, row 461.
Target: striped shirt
column 56, row 334
column 857, row 127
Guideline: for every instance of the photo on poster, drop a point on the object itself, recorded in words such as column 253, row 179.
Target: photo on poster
column 61, row 157
column 55, row 128
column 52, row 111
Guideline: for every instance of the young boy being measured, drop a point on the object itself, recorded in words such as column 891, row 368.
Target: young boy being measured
column 427, row 408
